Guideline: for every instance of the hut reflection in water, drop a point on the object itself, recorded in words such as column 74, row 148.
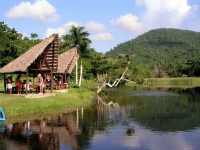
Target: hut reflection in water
column 46, row 133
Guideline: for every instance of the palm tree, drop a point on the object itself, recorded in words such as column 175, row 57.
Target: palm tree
column 77, row 37
column 34, row 36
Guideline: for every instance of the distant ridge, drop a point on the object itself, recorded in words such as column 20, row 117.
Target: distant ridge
column 164, row 44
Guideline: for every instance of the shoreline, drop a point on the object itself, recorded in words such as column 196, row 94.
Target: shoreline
column 18, row 107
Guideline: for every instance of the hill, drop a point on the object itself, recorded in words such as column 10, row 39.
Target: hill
column 164, row 47
column 159, row 44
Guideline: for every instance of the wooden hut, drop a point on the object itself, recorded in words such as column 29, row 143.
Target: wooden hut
column 67, row 61
column 43, row 58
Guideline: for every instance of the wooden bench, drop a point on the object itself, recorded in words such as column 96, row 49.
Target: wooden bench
column 56, row 86
column 36, row 87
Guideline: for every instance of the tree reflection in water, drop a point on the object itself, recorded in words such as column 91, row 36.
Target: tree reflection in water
column 130, row 130
column 100, row 102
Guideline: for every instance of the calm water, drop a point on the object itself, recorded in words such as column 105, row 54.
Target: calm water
column 145, row 119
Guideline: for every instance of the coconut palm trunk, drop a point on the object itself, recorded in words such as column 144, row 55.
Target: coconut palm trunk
column 76, row 72
column 81, row 72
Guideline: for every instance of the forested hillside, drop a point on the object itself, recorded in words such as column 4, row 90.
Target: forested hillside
column 172, row 52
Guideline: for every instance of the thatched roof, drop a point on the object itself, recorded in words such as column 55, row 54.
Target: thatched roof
column 67, row 61
column 72, row 64
column 46, row 51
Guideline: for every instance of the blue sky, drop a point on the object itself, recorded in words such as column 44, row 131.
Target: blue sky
column 109, row 22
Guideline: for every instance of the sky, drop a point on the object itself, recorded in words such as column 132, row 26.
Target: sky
column 109, row 22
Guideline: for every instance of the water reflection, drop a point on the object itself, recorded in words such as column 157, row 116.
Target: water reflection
column 172, row 114
column 46, row 133
column 101, row 102
column 163, row 118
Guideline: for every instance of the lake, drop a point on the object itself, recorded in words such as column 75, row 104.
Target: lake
column 125, row 118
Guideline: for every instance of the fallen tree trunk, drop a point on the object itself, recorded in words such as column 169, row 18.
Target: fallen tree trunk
column 103, row 82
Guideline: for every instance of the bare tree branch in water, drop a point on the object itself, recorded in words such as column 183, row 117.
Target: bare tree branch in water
column 102, row 80
column 108, row 104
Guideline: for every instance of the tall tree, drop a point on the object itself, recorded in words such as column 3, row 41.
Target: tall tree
column 77, row 37
column 26, row 39
column 34, row 36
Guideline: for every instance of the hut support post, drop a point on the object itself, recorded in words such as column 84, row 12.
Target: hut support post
column 27, row 82
column 51, row 81
column 4, row 81
column 64, row 83
column 76, row 73
column 65, row 77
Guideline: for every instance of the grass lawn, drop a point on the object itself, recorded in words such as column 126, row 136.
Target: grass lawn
column 16, row 106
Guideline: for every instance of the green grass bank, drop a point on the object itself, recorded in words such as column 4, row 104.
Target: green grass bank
column 16, row 106
column 173, row 82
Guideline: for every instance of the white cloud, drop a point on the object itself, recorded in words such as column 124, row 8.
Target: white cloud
column 64, row 29
column 40, row 11
column 102, row 37
column 51, row 31
column 90, row 26
column 165, row 13
column 129, row 23
column 95, row 26
column 99, row 29
column 157, row 14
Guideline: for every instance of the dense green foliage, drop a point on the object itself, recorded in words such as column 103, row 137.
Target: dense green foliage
column 12, row 45
column 166, row 52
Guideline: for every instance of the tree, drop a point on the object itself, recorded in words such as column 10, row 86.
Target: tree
column 103, row 80
column 34, row 36
column 9, row 44
column 26, row 39
column 100, row 64
column 77, row 37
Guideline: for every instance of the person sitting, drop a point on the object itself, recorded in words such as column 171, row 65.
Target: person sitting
column 24, row 83
column 67, row 82
column 60, row 82
column 56, row 79
column 30, row 82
